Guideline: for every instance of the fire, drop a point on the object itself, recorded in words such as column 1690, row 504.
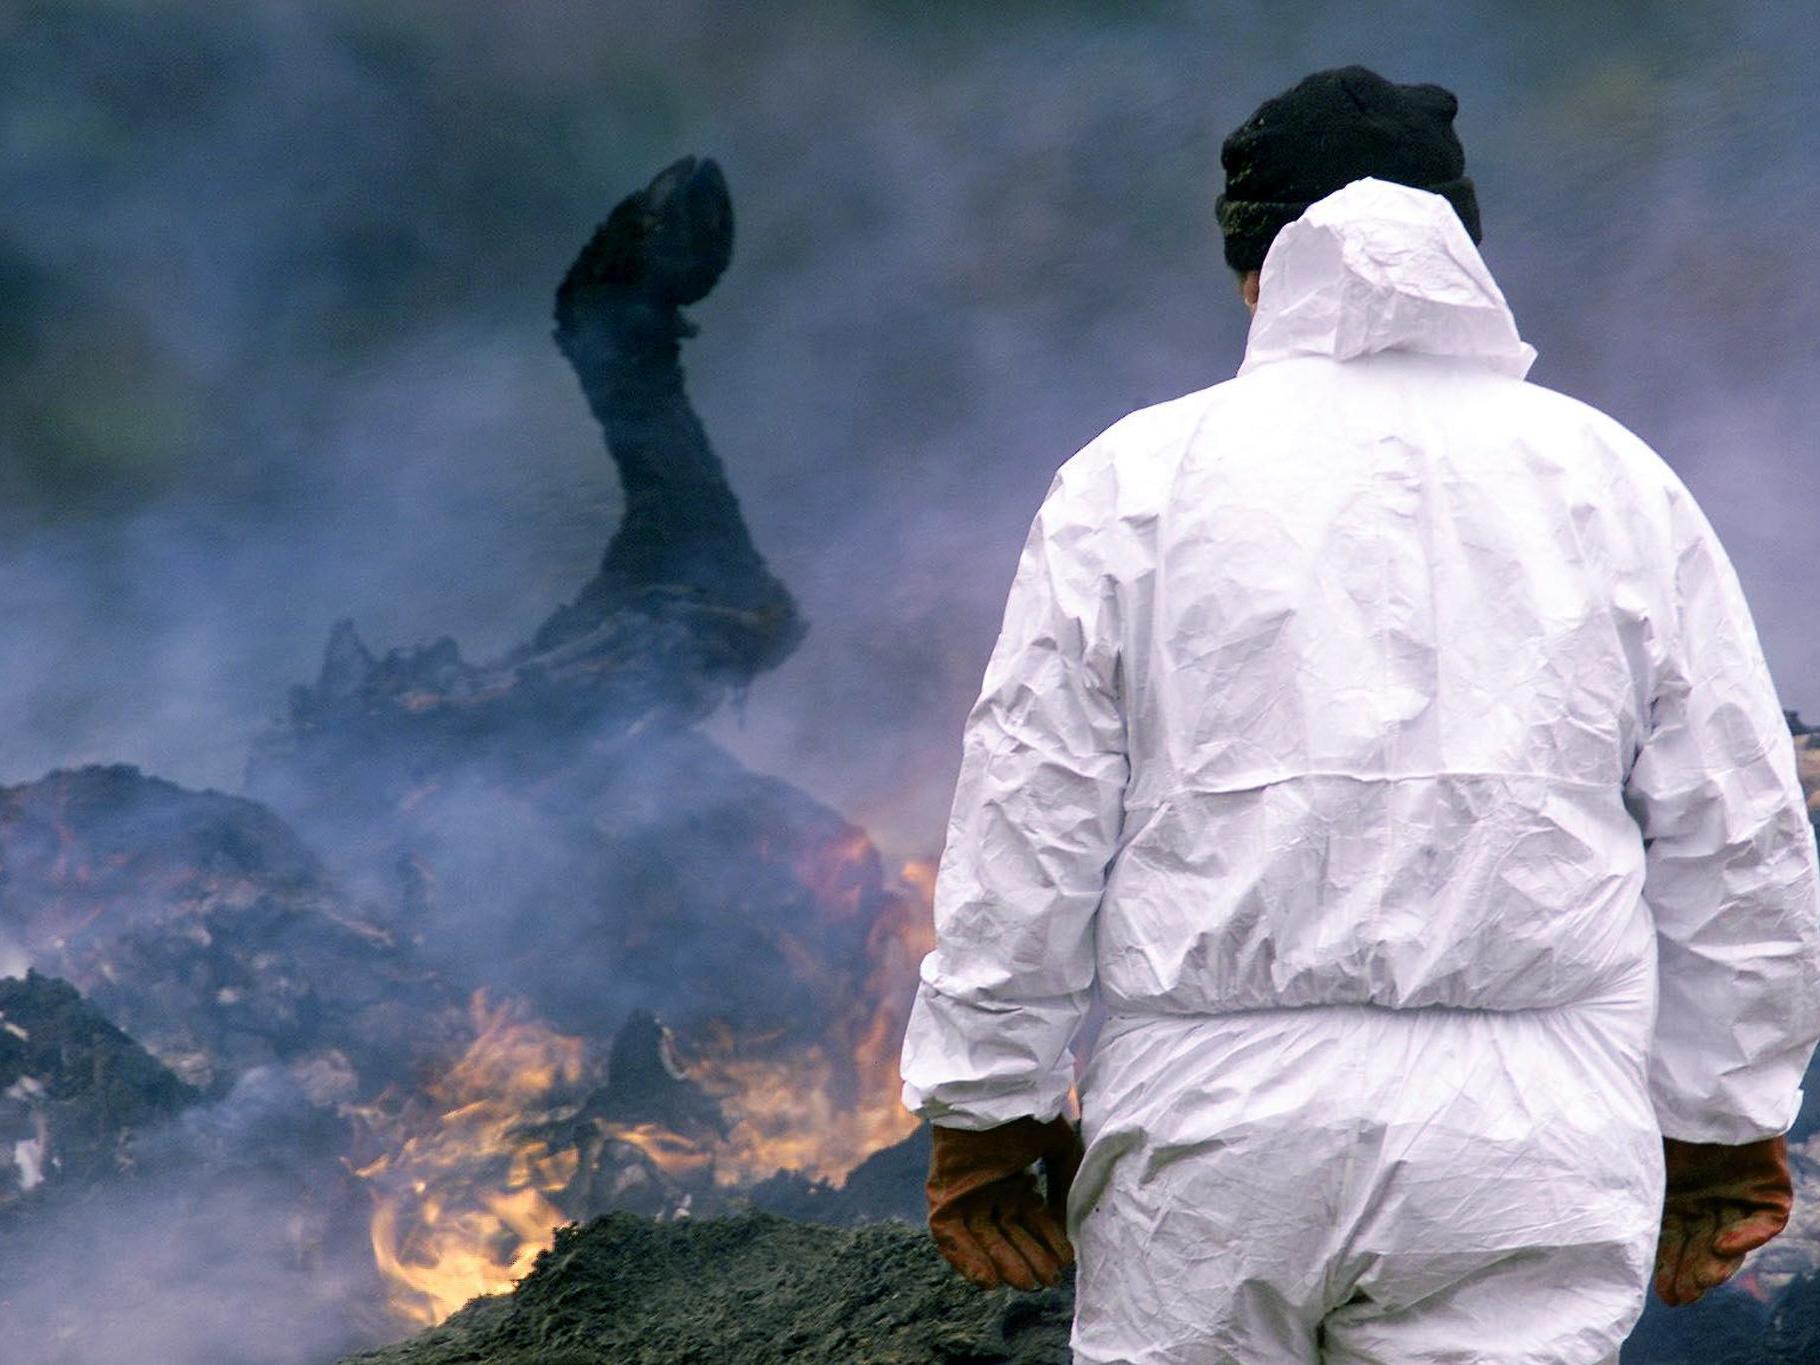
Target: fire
column 679, row 1157
column 480, row 1167
column 787, row 1115
column 827, row 1107
column 465, row 1199
column 836, row 874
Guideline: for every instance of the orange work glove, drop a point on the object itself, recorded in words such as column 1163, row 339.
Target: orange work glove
column 1722, row 1202
column 988, row 1217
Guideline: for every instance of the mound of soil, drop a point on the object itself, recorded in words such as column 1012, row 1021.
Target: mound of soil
column 755, row 1288
column 760, row 1288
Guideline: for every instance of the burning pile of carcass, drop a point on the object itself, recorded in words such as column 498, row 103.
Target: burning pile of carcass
column 489, row 947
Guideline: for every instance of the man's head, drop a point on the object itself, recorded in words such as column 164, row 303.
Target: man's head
column 1331, row 129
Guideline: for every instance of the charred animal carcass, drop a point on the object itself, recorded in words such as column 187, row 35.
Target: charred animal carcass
column 578, row 837
column 682, row 610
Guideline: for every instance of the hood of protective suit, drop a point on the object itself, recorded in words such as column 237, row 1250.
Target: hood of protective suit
column 1381, row 267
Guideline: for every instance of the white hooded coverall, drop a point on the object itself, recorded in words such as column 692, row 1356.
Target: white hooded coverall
column 1388, row 741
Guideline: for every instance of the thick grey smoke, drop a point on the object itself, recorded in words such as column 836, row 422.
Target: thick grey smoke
column 274, row 296
column 228, row 1240
column 281, row 277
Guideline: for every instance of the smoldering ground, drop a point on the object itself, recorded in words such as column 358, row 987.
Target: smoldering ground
column 274, row 337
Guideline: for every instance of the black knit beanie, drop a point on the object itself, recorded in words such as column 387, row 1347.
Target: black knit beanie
column 1333, row 128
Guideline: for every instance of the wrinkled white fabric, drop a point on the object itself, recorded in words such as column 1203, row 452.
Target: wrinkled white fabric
column 1356, row 1184
column 1366, row 729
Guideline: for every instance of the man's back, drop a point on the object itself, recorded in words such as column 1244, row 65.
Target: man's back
column 1384, row 656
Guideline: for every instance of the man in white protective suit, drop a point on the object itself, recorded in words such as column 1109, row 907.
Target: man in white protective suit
column 1387, row 741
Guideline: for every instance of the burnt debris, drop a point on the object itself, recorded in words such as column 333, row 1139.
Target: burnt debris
column 888, row 1184
column 646, row 1084
column 202, row 925
column 75, row 1092
column 682, row 544
column 400, row 1014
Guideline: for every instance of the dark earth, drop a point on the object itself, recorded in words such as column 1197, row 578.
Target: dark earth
column 756, row 1288
column 762, row 1288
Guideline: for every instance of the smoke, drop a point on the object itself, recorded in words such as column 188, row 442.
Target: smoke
column 230, row 1240
column 14, row 960
column 274, row 294
column 311, row 248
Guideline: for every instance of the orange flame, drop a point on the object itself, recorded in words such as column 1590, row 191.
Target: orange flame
column 825, row 1108
column 463, row 1203
column 466, row 1194
column 679, row 1157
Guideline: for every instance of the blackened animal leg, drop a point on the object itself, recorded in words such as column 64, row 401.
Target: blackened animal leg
column 683, row 542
